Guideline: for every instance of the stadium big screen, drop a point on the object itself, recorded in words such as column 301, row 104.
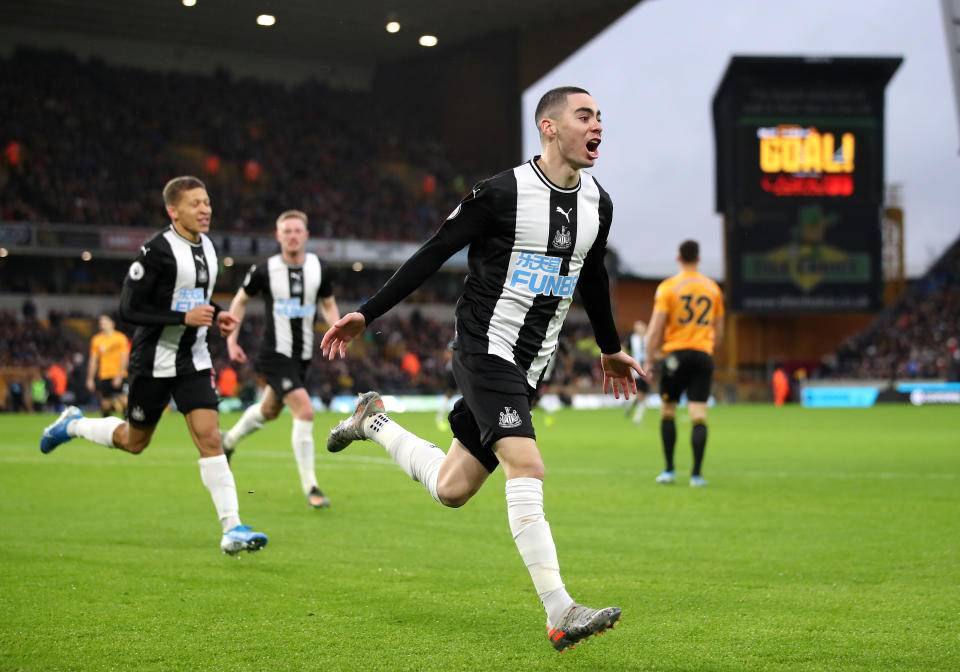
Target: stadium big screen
column 800, row 182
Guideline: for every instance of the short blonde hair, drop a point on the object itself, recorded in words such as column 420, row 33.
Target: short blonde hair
column 292, row 214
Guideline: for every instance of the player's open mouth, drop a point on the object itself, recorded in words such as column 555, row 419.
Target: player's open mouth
column 592, row 148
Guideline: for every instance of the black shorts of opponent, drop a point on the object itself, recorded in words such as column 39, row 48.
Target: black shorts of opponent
column 686, row 370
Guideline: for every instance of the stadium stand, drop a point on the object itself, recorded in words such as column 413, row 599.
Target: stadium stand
column 261, row 147
column 916, row 337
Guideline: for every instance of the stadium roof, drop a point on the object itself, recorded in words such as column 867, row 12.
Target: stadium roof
column 315, row 30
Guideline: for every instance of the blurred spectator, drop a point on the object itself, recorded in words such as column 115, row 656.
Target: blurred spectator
column 227, row 382
column 57, row 376
column 781, row 386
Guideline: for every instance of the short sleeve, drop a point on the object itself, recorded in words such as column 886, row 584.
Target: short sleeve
column 254, row 281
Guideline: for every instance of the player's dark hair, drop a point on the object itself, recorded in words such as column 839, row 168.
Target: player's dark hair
column 554, row 97
column 689, row 251
column 175, row 187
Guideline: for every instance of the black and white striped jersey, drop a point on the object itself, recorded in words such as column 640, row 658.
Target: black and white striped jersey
column 532, row 244
column 638, row 347
column 169, row 277
column 290, row 294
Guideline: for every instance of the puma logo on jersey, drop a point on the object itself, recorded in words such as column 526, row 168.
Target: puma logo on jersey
column 566, row 215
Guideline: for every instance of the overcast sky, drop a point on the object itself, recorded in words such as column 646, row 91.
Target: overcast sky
column 654, row 74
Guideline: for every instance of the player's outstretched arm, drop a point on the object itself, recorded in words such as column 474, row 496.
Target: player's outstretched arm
column 227, row 322
column 238, row 308
column 618, row 371
column 342, row 332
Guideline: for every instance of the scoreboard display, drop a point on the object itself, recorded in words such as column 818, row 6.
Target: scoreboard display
column 800, row 182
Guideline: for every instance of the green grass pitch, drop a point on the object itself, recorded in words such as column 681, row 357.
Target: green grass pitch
column 827, row 540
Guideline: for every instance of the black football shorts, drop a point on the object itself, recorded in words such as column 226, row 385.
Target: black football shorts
column 686, row 370
column 149, row 396
column 495, row 404
column 283, row 374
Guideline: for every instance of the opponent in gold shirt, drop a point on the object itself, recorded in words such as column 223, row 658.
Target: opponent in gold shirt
column 686, row 325
column 692, row 303
column 109, row 351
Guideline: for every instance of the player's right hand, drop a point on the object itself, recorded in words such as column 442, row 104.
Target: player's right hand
column 199, row 316
column 236, row 352
column 342, row 332
column 90, row 385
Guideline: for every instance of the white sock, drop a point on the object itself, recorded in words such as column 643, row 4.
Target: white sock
column 302, row 440
column 641, row 406
column 420, row 459
column 216, row 475
column 98, row 430
column 251, row 420
column 531, row 533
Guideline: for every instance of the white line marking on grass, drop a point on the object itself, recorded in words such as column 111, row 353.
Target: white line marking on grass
column 879, row 475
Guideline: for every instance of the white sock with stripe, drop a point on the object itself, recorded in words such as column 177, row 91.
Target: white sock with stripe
column 419, row 458
column 251, row 420
column 531, row 533
column 217, row 477
column 98, row 430
column 302, row 440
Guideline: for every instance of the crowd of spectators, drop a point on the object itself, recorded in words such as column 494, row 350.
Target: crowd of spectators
column 87, row 142
column 917, row 337
column 396, row 356
column 29, row 347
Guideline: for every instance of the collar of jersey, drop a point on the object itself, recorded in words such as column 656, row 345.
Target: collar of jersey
column 188, row 242
column 546, row 180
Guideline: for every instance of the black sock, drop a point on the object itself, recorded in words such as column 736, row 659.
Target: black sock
column 698, row 437
column 668, row 434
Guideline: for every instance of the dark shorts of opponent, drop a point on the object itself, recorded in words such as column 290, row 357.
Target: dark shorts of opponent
column 686, row 370
column 107, row 390
column 149, row 396
column 495, row 404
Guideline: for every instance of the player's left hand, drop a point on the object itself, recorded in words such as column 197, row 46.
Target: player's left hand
column 342, row 332
column 227, row 323
column 618, row 371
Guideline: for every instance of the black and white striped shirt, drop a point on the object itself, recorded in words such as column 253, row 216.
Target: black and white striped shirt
column 290, row 294
column 638, row 347
column 170, row 276
column 532, row 244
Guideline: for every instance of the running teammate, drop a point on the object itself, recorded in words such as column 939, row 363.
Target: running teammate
column 290, row 282
column 638, row 349
column 686, row 325
column 109, row 351
column 167, row 295
column 535, row 233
